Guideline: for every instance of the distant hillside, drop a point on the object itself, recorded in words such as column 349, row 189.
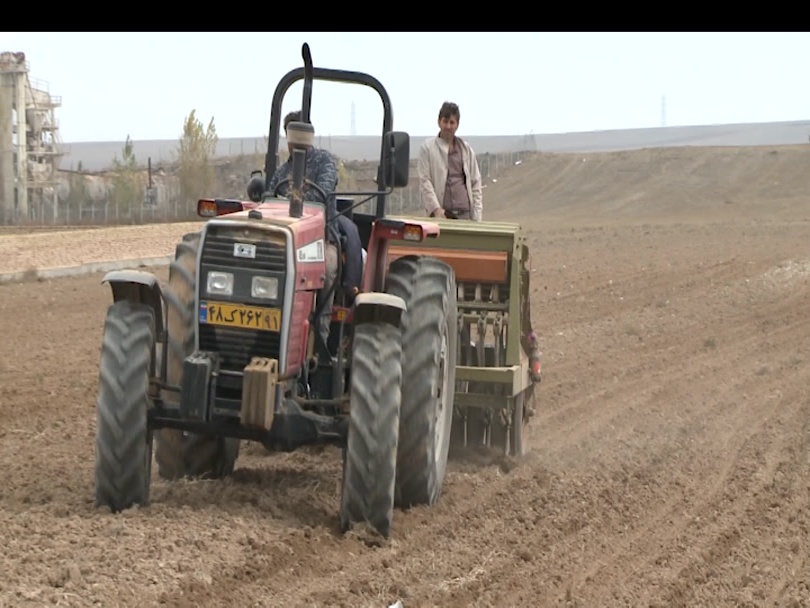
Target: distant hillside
column 749, row 182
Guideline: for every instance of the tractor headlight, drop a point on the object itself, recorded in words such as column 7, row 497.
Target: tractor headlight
column 220, row 283
column 265, row 288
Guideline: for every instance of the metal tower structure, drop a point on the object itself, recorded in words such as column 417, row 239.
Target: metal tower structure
column 30, row 144
column 529, row 142
column 354, row 122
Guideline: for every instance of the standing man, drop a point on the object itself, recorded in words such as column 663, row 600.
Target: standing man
column 450, row 183
column 449, row 176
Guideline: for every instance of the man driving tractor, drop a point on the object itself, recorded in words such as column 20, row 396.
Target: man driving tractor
column 321, row 170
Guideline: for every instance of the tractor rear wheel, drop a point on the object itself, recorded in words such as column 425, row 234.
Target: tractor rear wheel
column 123, row 465
column 370, row 457
column 178, row 453
column 429, row 345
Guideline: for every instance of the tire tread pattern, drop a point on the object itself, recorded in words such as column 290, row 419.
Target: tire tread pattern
column 371, row 454
column 123, row 440
column 428, row 287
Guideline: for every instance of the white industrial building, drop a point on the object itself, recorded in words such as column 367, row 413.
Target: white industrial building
column 30, row 145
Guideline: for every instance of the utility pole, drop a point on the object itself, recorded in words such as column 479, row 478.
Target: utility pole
column 663, row 110
column 354, row 122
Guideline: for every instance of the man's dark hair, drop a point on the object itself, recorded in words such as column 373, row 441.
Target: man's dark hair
column 295, row 115
column 449, row 109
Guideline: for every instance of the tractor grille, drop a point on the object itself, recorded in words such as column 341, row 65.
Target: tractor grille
column 271, row 255
column 237, row 346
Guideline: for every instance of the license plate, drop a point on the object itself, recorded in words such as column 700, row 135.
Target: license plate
column 240, row 315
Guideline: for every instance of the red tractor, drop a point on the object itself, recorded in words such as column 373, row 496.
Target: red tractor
column 229, row 350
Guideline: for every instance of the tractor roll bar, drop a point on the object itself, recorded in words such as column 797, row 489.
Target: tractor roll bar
column 350, row 77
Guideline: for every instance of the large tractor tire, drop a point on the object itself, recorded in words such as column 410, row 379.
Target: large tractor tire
column 179, row 453
column 429, row 338
column 370, row 457
column 123, row 465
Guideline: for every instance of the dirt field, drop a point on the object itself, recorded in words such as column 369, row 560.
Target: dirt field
column 670, row 461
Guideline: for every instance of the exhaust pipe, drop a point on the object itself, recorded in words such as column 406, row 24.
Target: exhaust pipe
column 301, row 136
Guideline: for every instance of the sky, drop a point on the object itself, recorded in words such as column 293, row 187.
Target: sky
column 145, row 84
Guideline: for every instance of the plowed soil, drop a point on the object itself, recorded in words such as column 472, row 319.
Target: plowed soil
column 670, row 451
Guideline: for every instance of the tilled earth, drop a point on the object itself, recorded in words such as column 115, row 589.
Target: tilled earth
column 668, row 466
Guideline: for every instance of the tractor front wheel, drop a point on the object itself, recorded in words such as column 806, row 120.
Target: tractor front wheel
column 123, row 439
column 370, row 457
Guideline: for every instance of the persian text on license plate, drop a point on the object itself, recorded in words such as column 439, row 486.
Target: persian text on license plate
column 240, row 315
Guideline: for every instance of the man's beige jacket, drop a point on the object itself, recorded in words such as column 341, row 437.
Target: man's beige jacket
column 432, row 169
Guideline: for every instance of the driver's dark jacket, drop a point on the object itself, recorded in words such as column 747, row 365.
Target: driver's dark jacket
column 352, row 276
column 321, row 169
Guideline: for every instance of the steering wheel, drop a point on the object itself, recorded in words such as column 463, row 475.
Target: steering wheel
column 286, row 180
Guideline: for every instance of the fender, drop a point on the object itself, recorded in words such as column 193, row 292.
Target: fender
column 138, row 286
column 377, row 306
